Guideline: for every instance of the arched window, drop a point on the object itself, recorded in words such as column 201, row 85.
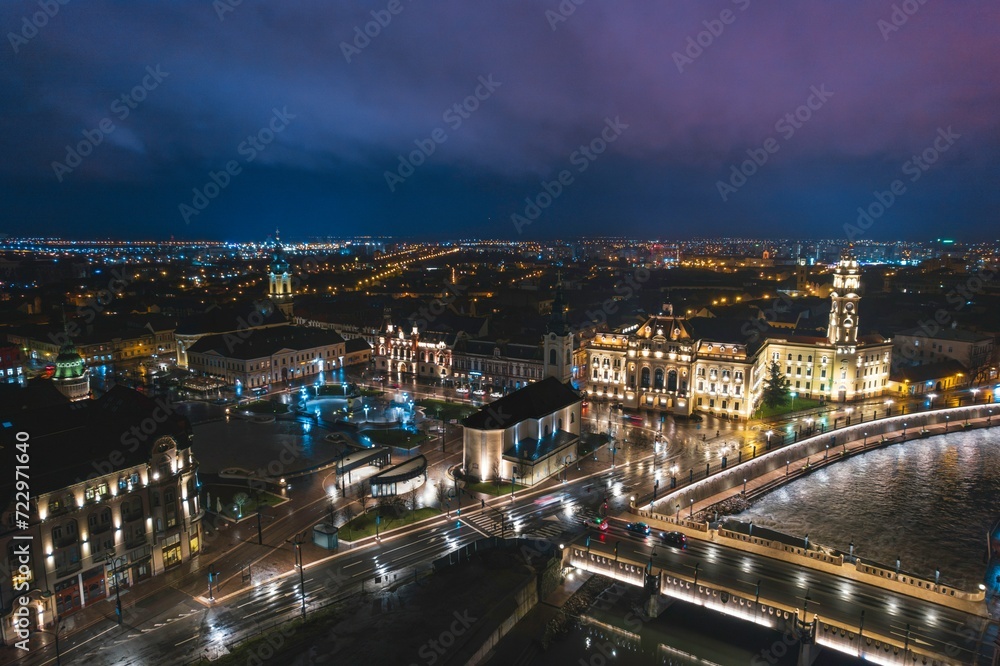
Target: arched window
column 658, row 378
column 645, row 378
column 672, row 380
column 552, row 357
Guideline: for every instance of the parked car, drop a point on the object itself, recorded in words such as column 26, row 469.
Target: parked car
column 638, row 528
column 496, row 394
column 461, row 389
column 674, row 539
column 479, row 392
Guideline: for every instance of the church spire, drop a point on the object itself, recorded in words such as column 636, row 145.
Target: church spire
column 557, row 322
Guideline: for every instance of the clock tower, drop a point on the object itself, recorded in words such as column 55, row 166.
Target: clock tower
column 843, row 328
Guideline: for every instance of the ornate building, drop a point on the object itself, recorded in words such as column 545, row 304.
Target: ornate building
column 71, row 377
column 678, row 365
column 279, row 280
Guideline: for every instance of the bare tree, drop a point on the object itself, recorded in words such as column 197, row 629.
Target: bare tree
column 411, row 499
column 361, row 494
column 495, row 471
column 348, row 513
column 441, row 493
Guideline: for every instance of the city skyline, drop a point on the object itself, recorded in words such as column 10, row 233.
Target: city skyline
column 558, row 120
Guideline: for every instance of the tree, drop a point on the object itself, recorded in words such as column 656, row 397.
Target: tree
column 775, row 392
column 441, row 492
column 348, row 513
column 240, row 499
column 361, row 493
column 495, row 471
column 411, row 499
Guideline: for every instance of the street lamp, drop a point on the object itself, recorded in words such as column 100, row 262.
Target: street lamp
column 114, row 572
column 298, row 541
column 865, row 443
column 787, row 463
column 930, row 402
column 849, row 410
column 769, row 433
column 973, row 391
column 744, row 487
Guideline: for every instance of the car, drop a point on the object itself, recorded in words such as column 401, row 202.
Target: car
column 394, row 386
column 638, row 528
column 461, row 389
column 479, row 392
column 597, row 522
column 496, row 394
column 674, row 539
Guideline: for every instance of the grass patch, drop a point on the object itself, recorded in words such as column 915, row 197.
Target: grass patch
column 364, row 526
column 266, row 407
column 764, row 412
column 441, row 409
column 395, row 437
column 490, row 488
column 224, row 494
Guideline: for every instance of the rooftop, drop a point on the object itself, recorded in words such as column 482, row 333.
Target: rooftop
column 531, row 402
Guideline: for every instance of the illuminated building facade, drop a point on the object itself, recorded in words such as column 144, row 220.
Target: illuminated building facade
column 677, row 365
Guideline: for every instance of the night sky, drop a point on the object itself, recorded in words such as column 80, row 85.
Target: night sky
column 676, row 118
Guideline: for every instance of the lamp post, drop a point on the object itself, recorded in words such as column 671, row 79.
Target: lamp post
column 692, row 509
column 787, row 463
column 297, row 541
column 930, row 400
column 744, row 487
column 114, row 573
column 888, row 407
column 946, row 422
column 769, row 433
column 849, row 411
column 865, row 442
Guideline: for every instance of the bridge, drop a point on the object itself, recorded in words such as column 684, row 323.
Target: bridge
column 827, row 598
column 818, row 609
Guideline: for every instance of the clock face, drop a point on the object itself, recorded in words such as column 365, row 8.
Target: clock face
column 849, row 307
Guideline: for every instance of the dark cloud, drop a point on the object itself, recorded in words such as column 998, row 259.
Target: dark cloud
column 325, row 172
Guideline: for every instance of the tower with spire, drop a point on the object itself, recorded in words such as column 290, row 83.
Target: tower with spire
column 71, row 377
column 279, row 278
column 558, row 341
column 843, row 328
